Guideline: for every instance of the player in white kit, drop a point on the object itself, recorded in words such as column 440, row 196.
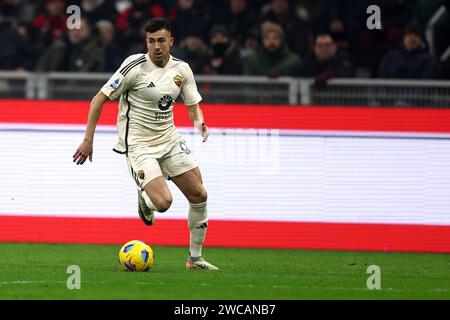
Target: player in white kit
column 148, row 85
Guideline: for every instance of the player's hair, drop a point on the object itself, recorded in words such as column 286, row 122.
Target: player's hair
column 156, row 24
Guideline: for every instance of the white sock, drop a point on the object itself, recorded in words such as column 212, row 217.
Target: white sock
column 198, row 225
column 148, row 201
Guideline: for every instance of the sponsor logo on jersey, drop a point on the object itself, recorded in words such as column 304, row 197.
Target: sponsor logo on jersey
column 163, row 115
column 178, row 80
column 165, row 102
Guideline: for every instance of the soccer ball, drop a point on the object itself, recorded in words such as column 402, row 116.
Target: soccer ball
column 136, row 255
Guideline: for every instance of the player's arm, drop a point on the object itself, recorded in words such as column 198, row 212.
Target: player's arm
column 196, row 115
column 119, row 82
column 85, row 149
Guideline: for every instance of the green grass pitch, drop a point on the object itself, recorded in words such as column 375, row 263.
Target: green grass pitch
column 38, row 271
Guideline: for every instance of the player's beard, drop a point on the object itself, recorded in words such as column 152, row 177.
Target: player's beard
column 161, row 58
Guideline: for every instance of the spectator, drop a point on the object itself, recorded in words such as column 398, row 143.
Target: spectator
column 140, row 46
column 18, row 11
column 225, row 55
column 238, row 18
column 79, row 53
column 395, row 14
column 28, row 52
column 193, row 51
column 51, row 25
column 273, row 58
column 97, row 10
column 425, row 13
column 189, row 21
column 130, row 22
column 251, row 42
column 314, row 13
column 411, row 60
column 114, row 54
column 297, row 33
column 213, row 8
column 346, row 18
column 12, row 50
column 327, row 61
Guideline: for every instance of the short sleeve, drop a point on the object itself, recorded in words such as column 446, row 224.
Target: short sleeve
column 189, row 92
column 122, row 79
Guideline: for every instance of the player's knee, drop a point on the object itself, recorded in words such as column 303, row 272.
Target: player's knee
column 163, row 204
column 198, row 196
column 203, row 196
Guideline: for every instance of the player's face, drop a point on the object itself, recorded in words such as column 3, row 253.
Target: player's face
column 159, row 44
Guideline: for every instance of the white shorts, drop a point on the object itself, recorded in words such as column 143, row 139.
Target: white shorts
column 144, row 167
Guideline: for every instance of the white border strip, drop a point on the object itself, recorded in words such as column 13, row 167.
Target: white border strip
column 191, row 130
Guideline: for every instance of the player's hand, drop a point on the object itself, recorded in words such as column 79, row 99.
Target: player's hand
column 83, row 152
column 205, row 132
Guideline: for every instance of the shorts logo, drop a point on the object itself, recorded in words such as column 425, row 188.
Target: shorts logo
column 178, row 80
column 184, row 147
column 141, row 174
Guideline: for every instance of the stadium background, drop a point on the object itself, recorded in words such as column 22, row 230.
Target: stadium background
column 317, row 162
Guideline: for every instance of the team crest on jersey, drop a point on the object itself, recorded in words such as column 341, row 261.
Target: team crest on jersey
column 141, row 174
column 178, row 80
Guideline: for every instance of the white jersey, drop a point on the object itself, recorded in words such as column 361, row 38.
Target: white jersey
column 147, row 97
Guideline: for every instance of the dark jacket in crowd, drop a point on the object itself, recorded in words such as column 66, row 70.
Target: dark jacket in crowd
column 12, row 49
column 316, row 13
column 340, row 66
column 191, row 22
column 232, row 62
column 104, row 11
column 114, row 56
column 403, row 64
column 239, row 24
column 283, row 62
column 85, row 56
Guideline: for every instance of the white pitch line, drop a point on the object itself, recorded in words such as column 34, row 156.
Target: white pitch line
column 436, row 290
column 28, row 282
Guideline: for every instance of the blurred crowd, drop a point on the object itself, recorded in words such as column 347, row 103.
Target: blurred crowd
column 321, row 39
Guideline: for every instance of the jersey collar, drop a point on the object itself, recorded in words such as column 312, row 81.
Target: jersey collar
column 147, row 57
